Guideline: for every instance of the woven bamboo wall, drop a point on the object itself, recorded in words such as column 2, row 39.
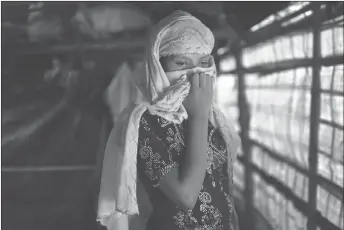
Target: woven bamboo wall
column 281, row 95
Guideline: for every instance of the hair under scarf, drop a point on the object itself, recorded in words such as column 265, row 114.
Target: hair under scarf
column 179, row 33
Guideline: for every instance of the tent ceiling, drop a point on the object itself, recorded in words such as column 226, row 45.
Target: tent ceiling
column 209, row 11
column 238, row 14
column 228, row 20
column 242, row 11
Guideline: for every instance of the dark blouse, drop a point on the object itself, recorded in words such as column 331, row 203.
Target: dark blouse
column 161, row 146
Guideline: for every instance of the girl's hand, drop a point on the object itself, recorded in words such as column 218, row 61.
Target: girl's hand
column 198, row 102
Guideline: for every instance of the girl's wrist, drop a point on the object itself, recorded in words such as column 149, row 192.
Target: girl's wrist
column 198, row 117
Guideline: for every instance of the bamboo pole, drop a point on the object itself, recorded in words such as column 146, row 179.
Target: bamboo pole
column 134, row 43
column 262, row 35
column 25, row 133
column 44, row 169
column 333, row 188
column 268, row 68
column 299, row 203
column 332, row 124
column 277, row 24
column 127, row 44
column 314, row 121
column 244, row 121
column 247, row 38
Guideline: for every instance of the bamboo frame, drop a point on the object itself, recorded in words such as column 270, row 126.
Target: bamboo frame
column 44, row 169
column 21, row 136
column 275, row 29
column 133, row 44
column 268, row 68
column 244, row 121
column 300, row 204
column 261, row 36
column 246, row 37
column 127, row 44
column 315, row 218
column 277, row 24
column 331, row 187
column 314, row 120
column 331, row 124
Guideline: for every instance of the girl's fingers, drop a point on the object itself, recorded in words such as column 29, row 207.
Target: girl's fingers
column 209, row 82
column 195, row 81
column 202, row 80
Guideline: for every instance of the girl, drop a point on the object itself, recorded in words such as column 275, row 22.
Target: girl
column 173, row 137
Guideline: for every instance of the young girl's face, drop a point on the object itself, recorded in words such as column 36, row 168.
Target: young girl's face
column 179, row 62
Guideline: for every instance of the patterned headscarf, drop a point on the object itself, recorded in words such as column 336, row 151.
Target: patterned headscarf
column 179, row 33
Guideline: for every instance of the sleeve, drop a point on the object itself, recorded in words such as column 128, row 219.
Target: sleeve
column 156, row 154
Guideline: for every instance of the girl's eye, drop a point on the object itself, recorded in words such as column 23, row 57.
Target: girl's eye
column 180, row 64
column 205, row 63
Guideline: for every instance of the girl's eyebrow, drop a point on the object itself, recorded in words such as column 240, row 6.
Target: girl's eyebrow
column 179, row 57
column 205, row 57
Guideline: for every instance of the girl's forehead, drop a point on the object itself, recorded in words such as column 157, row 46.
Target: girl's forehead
column 189, row 56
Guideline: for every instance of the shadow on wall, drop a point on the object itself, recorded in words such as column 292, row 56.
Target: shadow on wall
column 260, row 223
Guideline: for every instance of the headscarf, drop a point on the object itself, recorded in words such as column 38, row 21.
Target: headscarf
column 179, row 33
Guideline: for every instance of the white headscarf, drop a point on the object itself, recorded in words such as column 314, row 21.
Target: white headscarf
column 176, row 34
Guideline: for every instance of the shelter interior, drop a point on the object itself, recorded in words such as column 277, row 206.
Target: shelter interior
column 280, row 78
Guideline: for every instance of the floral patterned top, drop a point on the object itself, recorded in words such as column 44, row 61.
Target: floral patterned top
column 161, row 145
